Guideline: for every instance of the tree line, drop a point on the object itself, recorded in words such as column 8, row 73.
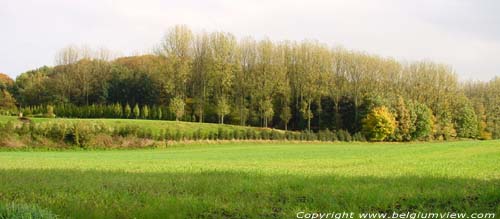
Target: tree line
column 215, row 77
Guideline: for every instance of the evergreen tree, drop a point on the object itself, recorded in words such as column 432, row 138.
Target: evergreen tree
column 145, row 112
column 128, row 111
column 136, row 111
column 117, row 110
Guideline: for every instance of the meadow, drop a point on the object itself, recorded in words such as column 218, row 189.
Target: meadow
column 252, row 180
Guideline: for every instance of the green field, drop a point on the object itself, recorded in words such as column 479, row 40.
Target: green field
column 256, row 180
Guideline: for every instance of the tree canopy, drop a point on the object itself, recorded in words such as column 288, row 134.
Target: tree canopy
column 215, row 77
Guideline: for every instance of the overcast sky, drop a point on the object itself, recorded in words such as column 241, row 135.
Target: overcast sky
column 463, row 34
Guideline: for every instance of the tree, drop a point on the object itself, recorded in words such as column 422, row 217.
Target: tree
column 223, row 109
column 267, row 111
column 128, row 111
column 313, row 67
column 200, row 81
column 117, row 110
column 444, row 128
column 7, row 102
column 177, row 107
column 403, row 121
column 145, row 112
column 136, row 111
column 465, row 119
column 422, row 121
column 309, row 85
column 50, row 112
column 286, row 115
column 159, row 113
column 379, row 124
column 176, row 46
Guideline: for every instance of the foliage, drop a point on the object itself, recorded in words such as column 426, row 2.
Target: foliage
column 136, row 111
column 403, row 120
column 285, row 116
column 145, row 112
column 177, row 107
column 128, row 111
column 223, row 109
column 465, row 119
column 423, row 121
column 379, row 124
column 303, row 85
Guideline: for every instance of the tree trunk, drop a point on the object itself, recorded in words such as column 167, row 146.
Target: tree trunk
column 337, row 115
column 309, row 116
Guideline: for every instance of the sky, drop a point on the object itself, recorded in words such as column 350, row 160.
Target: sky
column 464, row 34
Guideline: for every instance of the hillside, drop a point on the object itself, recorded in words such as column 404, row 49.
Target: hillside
column 155, row 126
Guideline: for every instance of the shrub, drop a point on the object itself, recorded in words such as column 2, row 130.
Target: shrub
column 127, row 112
column 80, row 134
column 212, row 135
column 178, row 135
column 58, row 131
column 264, row 134
column 358, row 136
column 197, row 134
column 251, row 134
column 325, row 135
column 136, row 111
column 276, row 135
column 145, row 112
column 221, row 133
column 379, row 124
column 117, row 110
column 127, row 130
column 343, row 135
column 168, row 135
column 50, row 112
column 236, row 134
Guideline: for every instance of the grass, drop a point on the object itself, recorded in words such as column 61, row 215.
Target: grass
column 256, row 180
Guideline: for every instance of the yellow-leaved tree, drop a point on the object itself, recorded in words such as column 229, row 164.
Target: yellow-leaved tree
column 378, row 124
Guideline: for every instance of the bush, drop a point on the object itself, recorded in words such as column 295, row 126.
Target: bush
column 325, row 135
column 264, row 134
column 80, row 134
column 127, row 130
column 197, row 134
column 212, row 135
column 358, row 136
column 236, row 134
column 379, row 124
column 221, row 134
column 168, row 135
column 178, row 135
column 24, row 211
column 343, row 135
column 276, row 135
column 58, row 131
column 250, row 133
column 50, row 112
